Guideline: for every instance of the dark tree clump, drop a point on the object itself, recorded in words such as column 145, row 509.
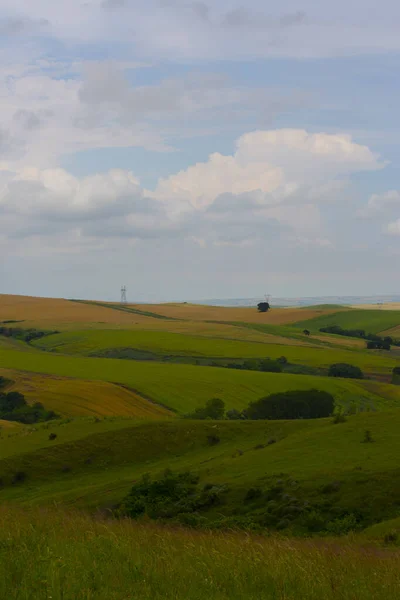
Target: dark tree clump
column 345, row 370
column 263, row 306
column 297, row 404
column 214, row 409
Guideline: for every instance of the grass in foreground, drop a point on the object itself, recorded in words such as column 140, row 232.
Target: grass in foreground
column 64, row 556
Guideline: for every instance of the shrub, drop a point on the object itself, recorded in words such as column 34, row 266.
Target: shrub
column 392, row 537
column 19, row 477
column 52, row 436
column 367, row 439
column 345, row 370
column 213, row 439
column 233, row 414
column 214, row 409
column 252, row 494
column 282, row 360
column 339, row 417
column 299, row 404
column 396, row 375
column 271, row 441
column 170, row 496
column 270, row 366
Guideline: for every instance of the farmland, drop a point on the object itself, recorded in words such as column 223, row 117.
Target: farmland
column 372, row 321
column 185, row 387
column 162, row 344
column 121, row 419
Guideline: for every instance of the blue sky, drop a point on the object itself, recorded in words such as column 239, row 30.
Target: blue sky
column 191, row 150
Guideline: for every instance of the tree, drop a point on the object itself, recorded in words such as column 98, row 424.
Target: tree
column 296, row 404
column 233, row 414
column 345, row 370
column 214, row 409
column 396, row 375
column 306, row 332
column 263, row 306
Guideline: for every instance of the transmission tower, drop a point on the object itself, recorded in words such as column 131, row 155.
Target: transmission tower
column 123, row 295
column 268, row 298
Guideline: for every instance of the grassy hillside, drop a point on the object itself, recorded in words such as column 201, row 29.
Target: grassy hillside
column 80, row 397
column 307, row 458
column 372, row 321
column 52, row 554
column 163, row 344
column 184, row 387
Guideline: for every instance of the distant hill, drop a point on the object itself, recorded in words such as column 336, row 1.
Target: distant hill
column 304, row 301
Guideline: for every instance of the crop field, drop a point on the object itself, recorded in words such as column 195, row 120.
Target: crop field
column 70, row 556
column 79, row 397
column 158, row 342
column 162, row 344
column 198, row 312
column 372, row 321
column 185, row 387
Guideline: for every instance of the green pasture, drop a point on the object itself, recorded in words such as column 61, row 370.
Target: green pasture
column 102, row 466
column 185, row 387
column 372, row 321
column 163, row 344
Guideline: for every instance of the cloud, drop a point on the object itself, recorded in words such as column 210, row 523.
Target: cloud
column 271, row 188
column 12, row 26
column 394, row 228
column 275, row 166
column 381, row 204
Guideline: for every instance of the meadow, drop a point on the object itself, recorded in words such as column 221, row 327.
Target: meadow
column 372, row 321
column 70, row 556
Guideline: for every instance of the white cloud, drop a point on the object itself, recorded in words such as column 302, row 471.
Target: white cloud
column 270, row 188
column 381, row 203
column 275, row 166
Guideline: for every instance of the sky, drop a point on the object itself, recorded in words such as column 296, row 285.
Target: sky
column 190, row 149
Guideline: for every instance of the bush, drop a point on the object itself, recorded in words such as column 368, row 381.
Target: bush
column 311, row 404
column 13, row 407
column 52, row 436
column 170, row 496
column 270, row 366
column 233, row 414
column 282, row 360
column 339, row 417
column 396, row 375
column 391, row 538
column 345, row 370
column 213, row 440
column 367, row 439
column 214, row 409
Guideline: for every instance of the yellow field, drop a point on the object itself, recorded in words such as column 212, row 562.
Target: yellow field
column 10, row 425
column 53, row 312
column 78, row 397
column 197, row 312
column 387, row 306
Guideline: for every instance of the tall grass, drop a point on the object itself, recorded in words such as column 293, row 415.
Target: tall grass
column 74, row 557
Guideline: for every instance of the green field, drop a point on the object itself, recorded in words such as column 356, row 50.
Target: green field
column 372, row 321
column 164, row 344
column 185, row 387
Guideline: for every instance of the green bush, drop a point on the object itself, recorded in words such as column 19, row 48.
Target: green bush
column 345, row 370
column 170, row 496
column 300, row 404
column 214, row 409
